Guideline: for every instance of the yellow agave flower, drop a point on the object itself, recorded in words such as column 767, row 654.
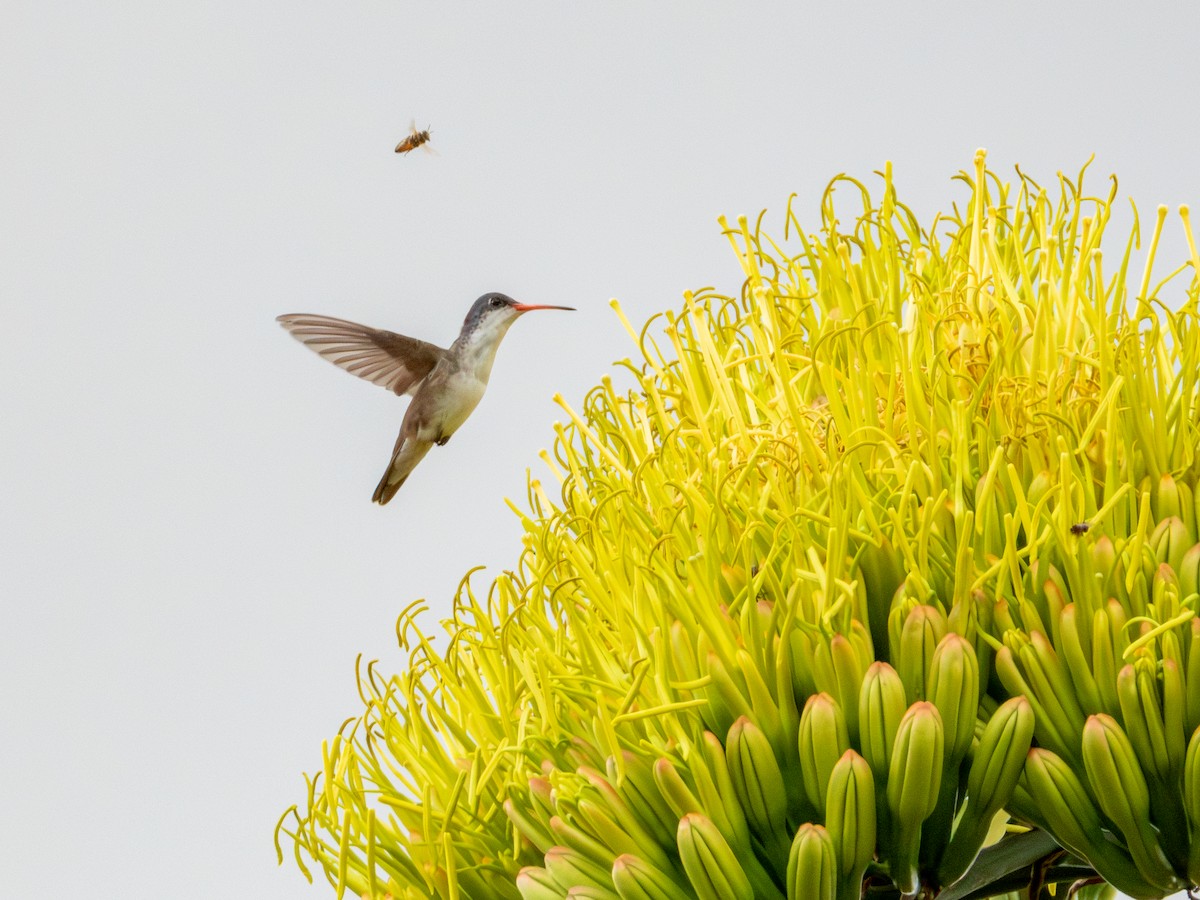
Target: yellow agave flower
column 909, row 478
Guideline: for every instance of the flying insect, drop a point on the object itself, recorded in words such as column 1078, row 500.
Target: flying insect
column 414, row 140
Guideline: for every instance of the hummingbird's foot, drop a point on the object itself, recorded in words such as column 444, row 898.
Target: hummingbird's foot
column 443, row 440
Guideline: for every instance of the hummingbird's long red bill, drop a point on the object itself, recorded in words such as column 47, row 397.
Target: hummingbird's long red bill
column 526, row 307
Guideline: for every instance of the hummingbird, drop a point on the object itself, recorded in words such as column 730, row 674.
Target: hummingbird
column 445, row 385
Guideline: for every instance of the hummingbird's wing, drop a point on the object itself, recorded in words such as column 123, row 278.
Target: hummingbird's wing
column 385, row 358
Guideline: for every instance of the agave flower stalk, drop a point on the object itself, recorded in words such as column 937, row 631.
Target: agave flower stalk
column 919, row 475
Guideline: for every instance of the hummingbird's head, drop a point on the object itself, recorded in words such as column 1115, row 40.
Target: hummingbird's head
column 493, row 313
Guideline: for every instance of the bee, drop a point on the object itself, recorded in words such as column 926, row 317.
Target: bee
column 1080, row 528
column 414, row 140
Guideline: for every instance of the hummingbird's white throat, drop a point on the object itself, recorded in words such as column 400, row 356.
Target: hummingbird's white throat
column 476, row 350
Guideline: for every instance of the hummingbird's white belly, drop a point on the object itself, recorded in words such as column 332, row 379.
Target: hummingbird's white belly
column 460, row 395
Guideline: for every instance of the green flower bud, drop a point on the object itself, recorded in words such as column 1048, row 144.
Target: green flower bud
column 850, row 821
column 1057, row 801
column 574, row 838
column 1164, row 498
column 823, row 739
column 1075, row 658
column 923, row 629
column 569, row 867
column 528, row 827
column 535, row 883
column 766, row 712
column 1137, row 690
column 1028, row 666
column 953, row 687
column 758, row 784
column 636, row 879
column 614, row 827
column 812, row 865
column 1189, row 572
column 840, row 674
column 1170, row 541
column 714, row 786
column 591, row 892
column 1106, row 661
column 882, row 572
column 1120, row 788
column 913, row 784
column 991, row 780
column 711, row 866
column 639, row 792
column 881, row 706
column 674, row 790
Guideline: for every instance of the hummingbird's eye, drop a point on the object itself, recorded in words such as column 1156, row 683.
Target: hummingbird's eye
column 497, row 302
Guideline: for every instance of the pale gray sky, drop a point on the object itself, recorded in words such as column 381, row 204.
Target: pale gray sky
column 191, row 560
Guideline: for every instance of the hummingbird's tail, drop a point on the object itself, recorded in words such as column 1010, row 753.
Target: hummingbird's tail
column 405, row 458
